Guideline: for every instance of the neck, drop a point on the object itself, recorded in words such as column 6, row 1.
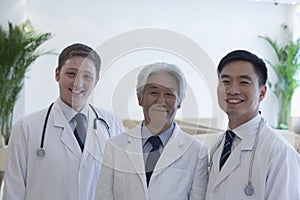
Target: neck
column 157, row 129
column 234, row 122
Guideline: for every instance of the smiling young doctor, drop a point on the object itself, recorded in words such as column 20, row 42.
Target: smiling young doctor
column 155, row 160
column 253, row 161
column 52, row 154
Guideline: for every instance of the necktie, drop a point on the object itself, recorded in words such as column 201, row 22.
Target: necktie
column 80, row 130
column 152, row 156
column 227, row 147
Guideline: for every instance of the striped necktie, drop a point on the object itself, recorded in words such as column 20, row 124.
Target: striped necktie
column 227, row 147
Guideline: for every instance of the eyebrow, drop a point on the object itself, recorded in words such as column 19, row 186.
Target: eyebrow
column 241, row 76
column 154, row 86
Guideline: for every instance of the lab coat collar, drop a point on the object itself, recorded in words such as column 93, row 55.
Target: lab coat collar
column 248, row 133
column 135, row 153
column 175, row 147
column 95, row 139
column 249, row 127
column 66, row 134
column 172, row 151
column 90, row 147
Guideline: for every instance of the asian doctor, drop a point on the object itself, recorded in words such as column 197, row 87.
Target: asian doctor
column 251, row 160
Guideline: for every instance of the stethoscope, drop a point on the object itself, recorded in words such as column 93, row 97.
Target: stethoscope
column 41, row 151
column 249, row 189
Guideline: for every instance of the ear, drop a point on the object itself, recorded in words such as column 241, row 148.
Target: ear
column 57, row 74
column 140, row 99
column 263, row 91
column 179, row 105
column 97, row 79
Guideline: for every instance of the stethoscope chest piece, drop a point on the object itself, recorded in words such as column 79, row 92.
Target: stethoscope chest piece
column 40, row 152
column 249, row 190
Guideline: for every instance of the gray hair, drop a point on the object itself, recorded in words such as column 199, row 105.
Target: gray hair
column 157, row 67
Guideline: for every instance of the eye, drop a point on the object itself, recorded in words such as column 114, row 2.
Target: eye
column 170, row 94
column 152, row 92
column 225, row 82
column 244, row 83
column 88, row 77
column 71, row 74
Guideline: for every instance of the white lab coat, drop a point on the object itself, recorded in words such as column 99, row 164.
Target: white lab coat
column 181, row 172
column 64, row 173
column 276, row 168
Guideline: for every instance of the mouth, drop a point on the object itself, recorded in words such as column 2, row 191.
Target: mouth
column 234, row 101
column 159, row 109
column 76, row 91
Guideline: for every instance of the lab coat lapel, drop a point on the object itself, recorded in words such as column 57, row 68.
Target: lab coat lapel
column 95, row 140
column 173, row 150
column 234, row 159
column 135, row 153
column 67, row 137
column 215, row 156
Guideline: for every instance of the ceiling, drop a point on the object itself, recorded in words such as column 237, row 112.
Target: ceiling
column 277, row 2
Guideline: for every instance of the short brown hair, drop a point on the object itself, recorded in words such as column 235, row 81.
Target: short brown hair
column 81, row 50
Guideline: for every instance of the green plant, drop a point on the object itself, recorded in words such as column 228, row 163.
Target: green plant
column 286, row 68
column 18, row 50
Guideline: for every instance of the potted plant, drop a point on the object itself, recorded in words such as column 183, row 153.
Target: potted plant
column 286, row 68
column 18, row 50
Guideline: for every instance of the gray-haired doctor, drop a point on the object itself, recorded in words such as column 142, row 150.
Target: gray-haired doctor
column 155, row 160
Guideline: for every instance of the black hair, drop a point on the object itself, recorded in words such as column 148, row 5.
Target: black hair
column 258, row 63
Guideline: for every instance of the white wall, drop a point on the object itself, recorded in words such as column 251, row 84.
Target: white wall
column 212, row 27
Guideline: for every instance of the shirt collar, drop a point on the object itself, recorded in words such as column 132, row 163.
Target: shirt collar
column 69, row 112
column 248, row 127
column 164, row 136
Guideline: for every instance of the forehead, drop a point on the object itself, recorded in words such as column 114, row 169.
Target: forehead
column 164, row 79
column 239, row 68
column 80, row 63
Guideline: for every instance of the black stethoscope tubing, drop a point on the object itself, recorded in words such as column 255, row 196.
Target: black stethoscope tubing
column 41, row 151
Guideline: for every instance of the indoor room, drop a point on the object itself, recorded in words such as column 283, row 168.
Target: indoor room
column 194, row 35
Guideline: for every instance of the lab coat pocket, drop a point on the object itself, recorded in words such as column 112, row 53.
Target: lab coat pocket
column 174, row 183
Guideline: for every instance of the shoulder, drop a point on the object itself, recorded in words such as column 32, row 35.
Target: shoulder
column 106, row 115
column 33, row 118
column 103, row 113
column 192, row 143
column 274, row 143
column 110, row 119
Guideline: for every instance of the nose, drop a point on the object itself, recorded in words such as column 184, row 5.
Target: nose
column 161, row 99
column 78, row 81
column 233, row 88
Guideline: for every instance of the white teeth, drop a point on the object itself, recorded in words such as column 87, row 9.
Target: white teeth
column 76, row 91
column 233, row 101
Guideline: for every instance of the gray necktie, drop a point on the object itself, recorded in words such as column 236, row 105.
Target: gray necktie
column 152, row 156
column 80, row 130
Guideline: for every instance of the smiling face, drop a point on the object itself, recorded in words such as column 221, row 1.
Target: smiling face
column 77, row 79
column 159, row 102
column 239, row 93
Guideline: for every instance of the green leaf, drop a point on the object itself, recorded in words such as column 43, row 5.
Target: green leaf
column 18, row 50
column 286, row 68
